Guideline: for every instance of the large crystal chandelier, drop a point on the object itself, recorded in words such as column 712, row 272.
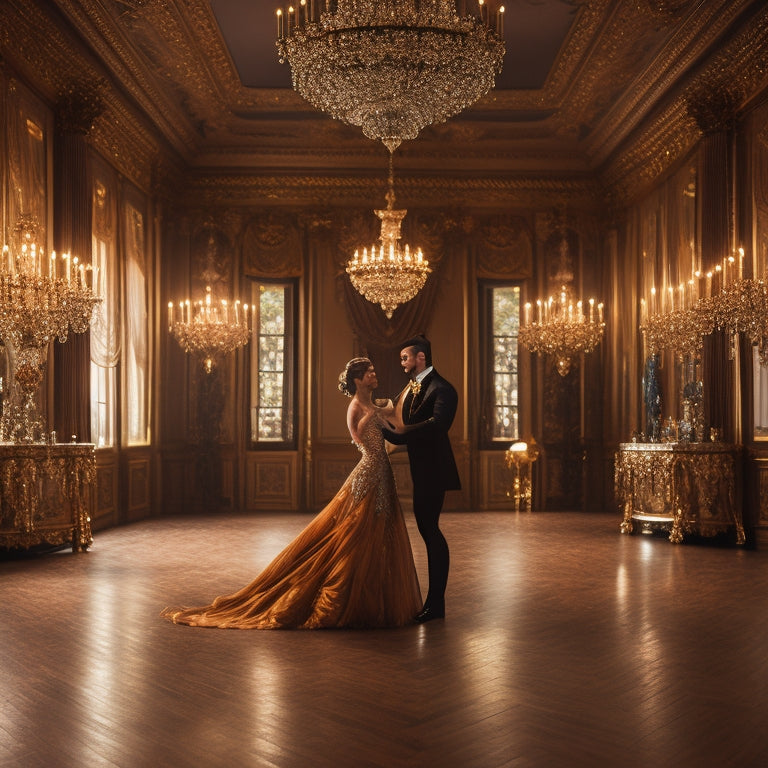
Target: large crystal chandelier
column 561, row 329
column 42, row 298
column 389, row 275
column 208, row 328
column 391, row 67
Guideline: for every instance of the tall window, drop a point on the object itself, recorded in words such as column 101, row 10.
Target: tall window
column 272, row 364
column 136, row 424
column 501, row 322
column 105, row 335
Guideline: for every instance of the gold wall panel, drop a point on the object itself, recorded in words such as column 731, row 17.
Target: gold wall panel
column 272, row 481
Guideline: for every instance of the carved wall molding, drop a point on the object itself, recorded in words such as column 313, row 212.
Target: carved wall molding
column 272, row 245
column 504, row 248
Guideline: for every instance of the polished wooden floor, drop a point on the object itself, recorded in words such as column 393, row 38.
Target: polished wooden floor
column 565, row 644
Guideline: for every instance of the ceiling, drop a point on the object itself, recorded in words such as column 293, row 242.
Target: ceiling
column 581, row 79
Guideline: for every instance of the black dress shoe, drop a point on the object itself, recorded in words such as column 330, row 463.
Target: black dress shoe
column 427, row 614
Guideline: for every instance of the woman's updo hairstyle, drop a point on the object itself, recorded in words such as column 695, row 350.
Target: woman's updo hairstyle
column 356, row 368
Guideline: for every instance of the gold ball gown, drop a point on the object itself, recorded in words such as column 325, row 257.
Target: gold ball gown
column 352, row 566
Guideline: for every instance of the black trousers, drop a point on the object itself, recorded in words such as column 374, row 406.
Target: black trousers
column 426, row 510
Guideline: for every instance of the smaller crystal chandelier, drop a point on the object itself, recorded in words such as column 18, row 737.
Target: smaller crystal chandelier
column 561, row 329
column 42, row 298
column 209, row 329
column 389, row 275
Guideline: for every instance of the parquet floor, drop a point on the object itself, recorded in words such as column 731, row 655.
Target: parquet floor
column 565, row 644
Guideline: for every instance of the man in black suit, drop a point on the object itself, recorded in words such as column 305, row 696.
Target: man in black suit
column 428, row 409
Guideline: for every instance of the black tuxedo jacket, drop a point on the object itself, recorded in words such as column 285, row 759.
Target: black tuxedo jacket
column 428, row 416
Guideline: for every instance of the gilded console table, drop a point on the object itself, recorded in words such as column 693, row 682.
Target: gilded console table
column 687, row 487
column 46, row 495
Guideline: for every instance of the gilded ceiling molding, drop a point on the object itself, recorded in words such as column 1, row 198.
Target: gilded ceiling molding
column 576, row 48
column 729, row 78
column 64, row 73
column 714, row 107
column 632, row 106
column 79, row 106
column 426, row 192
column 108, row 25
column 667, row 11
column 665, row 141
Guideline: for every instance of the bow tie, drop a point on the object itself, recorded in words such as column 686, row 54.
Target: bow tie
column 415, row 387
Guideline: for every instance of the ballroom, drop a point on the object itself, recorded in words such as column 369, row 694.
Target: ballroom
column 209, row 207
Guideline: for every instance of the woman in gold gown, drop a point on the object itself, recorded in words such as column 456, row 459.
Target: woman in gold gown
column 352, row 566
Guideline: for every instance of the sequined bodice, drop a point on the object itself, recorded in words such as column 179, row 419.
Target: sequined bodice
column 374, row 471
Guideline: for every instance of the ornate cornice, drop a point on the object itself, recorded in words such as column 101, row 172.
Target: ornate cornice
column 706, row 101
column 423, row 192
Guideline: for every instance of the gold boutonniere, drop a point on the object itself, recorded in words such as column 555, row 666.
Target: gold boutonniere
column 415, row 387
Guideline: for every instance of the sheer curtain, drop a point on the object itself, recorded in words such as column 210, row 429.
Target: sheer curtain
column 105, row 327
column 136, row 329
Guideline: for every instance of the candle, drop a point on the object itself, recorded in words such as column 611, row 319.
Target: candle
column 170, row 315
column 652, row 308
column 527, row 312
column 500, row 22
column 741, row 263
column 709, row 284
column 643, row 308
column 600, row 312
column 279, row 23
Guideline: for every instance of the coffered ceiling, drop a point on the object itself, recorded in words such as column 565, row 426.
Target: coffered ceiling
column 582, row 80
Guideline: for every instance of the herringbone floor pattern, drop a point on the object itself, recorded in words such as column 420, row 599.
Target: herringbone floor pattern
column 565, row 644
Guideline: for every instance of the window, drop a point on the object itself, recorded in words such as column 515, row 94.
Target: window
column 272, row 364
column 760, row 384
column 500, row 304
column 105, row 336
column 136, row 424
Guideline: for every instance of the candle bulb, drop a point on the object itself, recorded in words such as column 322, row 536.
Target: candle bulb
column 170, row 315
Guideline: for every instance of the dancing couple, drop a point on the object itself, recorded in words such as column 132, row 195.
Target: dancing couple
column 352, row 566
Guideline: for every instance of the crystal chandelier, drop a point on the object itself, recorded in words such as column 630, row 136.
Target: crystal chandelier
column 390, row 275
column 209, row 329
column 391, row 67
column 41, row 298
column 723, row 298
column 561, row 329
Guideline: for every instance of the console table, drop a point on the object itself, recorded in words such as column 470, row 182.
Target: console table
column 686, row 487
column 46, row 495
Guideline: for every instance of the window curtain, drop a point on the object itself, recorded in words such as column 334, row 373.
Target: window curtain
column 136, row 346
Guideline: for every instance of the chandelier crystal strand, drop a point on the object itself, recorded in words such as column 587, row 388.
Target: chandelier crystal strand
column 389, row 275
column 41, row 299
column 390, row 67
column 561, row 330
column 208, row 329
